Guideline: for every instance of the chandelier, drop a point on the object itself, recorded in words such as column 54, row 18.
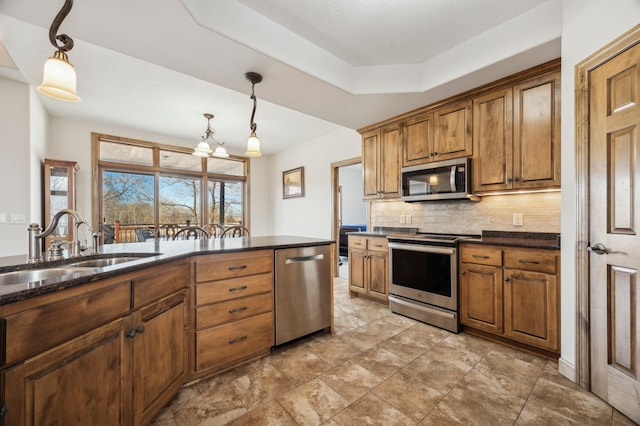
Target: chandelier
column 207, row 141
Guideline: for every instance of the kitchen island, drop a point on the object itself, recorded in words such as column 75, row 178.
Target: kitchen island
column 113, row 344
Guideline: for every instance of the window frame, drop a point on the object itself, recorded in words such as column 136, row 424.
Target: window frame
column 99, row 166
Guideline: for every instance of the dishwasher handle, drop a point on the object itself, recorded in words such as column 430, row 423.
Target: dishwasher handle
column 301, row 259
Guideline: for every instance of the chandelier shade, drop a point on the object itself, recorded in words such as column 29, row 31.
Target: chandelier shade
column 207, row 141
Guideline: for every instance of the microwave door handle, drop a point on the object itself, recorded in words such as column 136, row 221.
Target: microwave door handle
column 452, row 178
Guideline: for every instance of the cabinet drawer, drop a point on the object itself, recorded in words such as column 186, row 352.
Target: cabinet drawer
column 160, row 283
column 39, row 328
column 531, row 260
column 219, row 291
column 233, row 310
column 232, row 265
column 378, row 244
column 482, row 255
column 356, row 242
column 230, row 342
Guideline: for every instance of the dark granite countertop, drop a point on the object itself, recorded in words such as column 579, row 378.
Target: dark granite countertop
column 541, row 240
column 151, row 253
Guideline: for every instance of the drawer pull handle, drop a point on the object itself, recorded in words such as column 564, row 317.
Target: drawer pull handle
column 534, row 262
column 235, row 268
column 139, row 329
column 377, row 245
column 131, row 334
column 236, row 310
column 244, row 287
column 520, row 277
column 477, row 256
column 238, row 340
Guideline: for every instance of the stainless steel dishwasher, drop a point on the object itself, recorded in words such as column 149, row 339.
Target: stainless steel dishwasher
column 303, row 291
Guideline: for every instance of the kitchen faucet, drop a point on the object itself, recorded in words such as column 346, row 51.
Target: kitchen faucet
column 55, row 251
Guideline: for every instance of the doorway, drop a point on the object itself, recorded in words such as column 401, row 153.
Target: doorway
column 350, row 212
column 607, row 259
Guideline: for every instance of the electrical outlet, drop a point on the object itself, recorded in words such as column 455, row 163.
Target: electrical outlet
column 518, row 219
column 407, row 219
column 18, row 218
column 402, row 218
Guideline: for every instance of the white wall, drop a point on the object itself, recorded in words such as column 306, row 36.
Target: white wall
column 588, row 25
column 39, row 128
column 354, row 210
column 310, row 215
column 16, row 181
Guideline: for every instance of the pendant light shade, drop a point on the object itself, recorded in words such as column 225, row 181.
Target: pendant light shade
column 204, row 147
column 59, row 78
column 253, row 143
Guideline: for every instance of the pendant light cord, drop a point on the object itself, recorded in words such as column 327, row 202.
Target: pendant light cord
column 67, row 42
column 254, row 126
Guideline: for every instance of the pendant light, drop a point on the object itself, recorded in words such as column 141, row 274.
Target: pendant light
column 59, row 79
column 204, row 147
column 253, row 143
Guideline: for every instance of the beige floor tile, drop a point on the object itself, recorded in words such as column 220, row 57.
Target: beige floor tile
column 420, row 335
column 333, row 350
column 350, row 380
column 270, row 413
column 260, row 386
column 165, row 418
column 219, row 406
column 380, row 362
column 410, row 396
column 301, row 366
column 371, row 312
column 620, row 419
column 371, row 410
column 312, row 403
column 468, row 343
column 384, row 328
column 344, row 323
column 441, row 375
column 360, row 339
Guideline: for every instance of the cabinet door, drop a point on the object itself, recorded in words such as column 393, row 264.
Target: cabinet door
column 357, row 260
column 159, row 354
column 418, row 140
column 531, row 308
column 453, row 132
column 537, row 133
column 481, row 297
column 390, row 160
column 493, row 141
column 85, row 381
column 370, row 152
column 378, row 275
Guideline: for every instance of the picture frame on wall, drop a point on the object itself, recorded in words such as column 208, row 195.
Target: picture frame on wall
column 293, row 183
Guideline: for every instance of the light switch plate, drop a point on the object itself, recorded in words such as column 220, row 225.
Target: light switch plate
column 402, row 218
column 407, row 218
column 18, row 218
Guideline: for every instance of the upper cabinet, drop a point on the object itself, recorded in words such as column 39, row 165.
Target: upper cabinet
column 511, row 129
column 59, row 193
column 381, row 153
column 439, row 135
column 516, row 135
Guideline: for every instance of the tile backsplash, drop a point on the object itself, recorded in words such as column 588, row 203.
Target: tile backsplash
column 540, row 213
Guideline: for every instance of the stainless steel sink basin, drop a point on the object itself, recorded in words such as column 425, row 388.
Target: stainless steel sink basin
column 34, row 275
column 100, row 263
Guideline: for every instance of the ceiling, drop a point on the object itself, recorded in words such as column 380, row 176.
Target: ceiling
column 158, row 65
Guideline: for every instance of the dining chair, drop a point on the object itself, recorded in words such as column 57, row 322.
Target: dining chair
column 144, row 234
column 192, row 232
column 236, row 231
column 214, row 230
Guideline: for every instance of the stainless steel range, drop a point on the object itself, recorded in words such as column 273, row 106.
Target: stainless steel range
column 423, row 278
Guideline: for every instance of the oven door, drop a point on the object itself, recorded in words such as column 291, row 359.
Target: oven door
column 424, row 273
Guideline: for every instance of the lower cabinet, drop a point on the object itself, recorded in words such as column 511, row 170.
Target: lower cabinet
column 119, row 373
column 512, row 293
column 369, row 266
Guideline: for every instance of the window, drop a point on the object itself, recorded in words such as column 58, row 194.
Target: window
column 142, row 185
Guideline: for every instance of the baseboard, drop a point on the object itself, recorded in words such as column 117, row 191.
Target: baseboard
column 567, row 369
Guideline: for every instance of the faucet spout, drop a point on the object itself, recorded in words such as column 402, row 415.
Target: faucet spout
column 36, row 235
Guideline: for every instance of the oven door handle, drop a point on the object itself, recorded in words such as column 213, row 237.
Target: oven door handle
column 423, row 248
column 452, row 178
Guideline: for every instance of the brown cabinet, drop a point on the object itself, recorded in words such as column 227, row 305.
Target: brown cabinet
column 369, row 266
column 512, row 293
column 234, row 309
column 439, row 135
column 80, row 356
column 59, row 193
column 381, row 160
column 516, row 136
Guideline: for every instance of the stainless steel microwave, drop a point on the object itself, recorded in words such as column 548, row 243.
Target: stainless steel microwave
column 441, row 180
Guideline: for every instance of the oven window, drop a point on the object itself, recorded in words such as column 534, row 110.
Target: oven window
column 429, row 272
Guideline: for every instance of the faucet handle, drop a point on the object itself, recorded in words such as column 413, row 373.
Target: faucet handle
column 55, row 250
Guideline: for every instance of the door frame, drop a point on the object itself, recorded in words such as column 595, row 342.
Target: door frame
column 335, row 183
column 582, row 143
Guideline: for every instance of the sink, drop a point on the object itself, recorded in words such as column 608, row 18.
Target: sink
column 100, row 263
column 34, row 275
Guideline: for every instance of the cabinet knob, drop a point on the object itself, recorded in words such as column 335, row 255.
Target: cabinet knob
column 3, row 412
column 140, row 329
column 507, row 280
column 463, row 272
column 131, row 334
